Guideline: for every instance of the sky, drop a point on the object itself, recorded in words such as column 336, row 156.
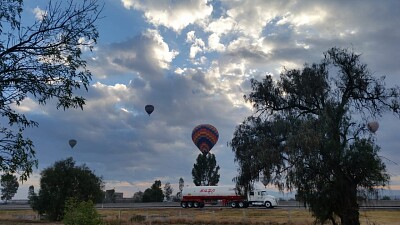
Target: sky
column 193, row 60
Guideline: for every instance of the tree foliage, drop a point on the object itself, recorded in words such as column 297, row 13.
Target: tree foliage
column 84, row 212
column 138, row 196
column 205, row 170
column 9, row 184
column 153, row 194
column 310, row 134
column 31, row 195
column 41, row 61
column 168, row 191
column 181, row 184
column 62, row 181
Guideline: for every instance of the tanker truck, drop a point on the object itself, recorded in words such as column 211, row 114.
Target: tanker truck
column 198, row 196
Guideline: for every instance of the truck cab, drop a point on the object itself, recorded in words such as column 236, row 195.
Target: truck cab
column 261, row 198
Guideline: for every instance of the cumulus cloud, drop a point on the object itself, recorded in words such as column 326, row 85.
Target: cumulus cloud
column 39, row 13
column 197, row 44
column 147, row 54
column 172, row 14
column 214, row 43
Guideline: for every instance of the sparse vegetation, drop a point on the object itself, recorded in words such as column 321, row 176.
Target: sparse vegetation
column 206, row 216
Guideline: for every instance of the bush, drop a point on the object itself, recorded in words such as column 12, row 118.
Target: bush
column 138, row 218
column 62, row 181
column 81, row 213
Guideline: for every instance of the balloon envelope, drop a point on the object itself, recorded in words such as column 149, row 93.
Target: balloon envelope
column 149, row 109
column 72, row 143
column 205, row 136
column 373, row 126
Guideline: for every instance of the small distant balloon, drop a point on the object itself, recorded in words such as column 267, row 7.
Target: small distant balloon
column 149, row 109
column 373, row 126
column 205, row 136
column 72, row 143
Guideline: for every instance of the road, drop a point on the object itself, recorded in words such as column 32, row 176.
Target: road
column 389, row 204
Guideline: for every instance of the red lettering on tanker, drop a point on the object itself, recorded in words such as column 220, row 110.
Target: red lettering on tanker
column 210, row 190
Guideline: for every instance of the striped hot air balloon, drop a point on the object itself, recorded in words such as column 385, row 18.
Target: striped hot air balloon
column 205, row 136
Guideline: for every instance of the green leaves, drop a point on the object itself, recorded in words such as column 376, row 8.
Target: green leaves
column 62, row 181
column 306, row 137
column 205, row 170
column 42, row 61
column 84, row 212
column 9, row 185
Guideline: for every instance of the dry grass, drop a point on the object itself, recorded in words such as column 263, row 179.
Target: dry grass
column 205, row 216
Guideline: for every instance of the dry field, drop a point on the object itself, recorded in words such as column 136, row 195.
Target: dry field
column 205, row 216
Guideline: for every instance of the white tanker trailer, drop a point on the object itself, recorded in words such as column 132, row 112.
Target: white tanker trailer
column 198, row 196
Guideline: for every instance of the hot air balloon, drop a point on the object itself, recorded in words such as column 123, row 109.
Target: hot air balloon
column 72, row 143
column 205, row 136
column 149, row 109
column 373, row 126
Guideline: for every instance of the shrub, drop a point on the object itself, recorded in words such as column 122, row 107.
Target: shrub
column 81, row 213
column 138, row 218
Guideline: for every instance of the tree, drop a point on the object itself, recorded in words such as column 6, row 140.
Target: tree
column 153, row 194
column 181, row 185
column 62, row 181
column 310, row 134
column 205, row 170
column 9, row 185
column 31, row 195
column 168, row 191
column 42, row 61
column 138, row 196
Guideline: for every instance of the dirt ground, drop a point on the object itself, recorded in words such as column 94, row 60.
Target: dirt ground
column 205, row 216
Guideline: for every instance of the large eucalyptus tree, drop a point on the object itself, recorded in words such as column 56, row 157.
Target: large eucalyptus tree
column 310, row 134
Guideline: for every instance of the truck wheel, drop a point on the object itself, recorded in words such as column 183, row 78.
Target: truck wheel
column 233, row 204
column 183, row 204
column 196, row 204
column 268, row 205
column 190, row 204
column 241, row 205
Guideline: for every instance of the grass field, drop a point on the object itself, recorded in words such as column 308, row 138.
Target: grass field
column 205, row 216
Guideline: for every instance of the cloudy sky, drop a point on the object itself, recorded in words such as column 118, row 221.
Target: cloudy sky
column 193, row 61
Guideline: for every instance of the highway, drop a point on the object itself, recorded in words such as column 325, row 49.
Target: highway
column 382, row 204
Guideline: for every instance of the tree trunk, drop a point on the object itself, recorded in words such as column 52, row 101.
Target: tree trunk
column 349, row 214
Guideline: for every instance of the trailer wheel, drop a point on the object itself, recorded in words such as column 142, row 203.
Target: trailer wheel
column 241, row 205
column 190, row 204
column 268, row 204
column 196, row 204
column 202, row 205
column 184, row 204
column 234, row 204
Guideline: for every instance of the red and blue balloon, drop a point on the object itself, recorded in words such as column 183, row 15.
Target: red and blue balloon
column 205, row 136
